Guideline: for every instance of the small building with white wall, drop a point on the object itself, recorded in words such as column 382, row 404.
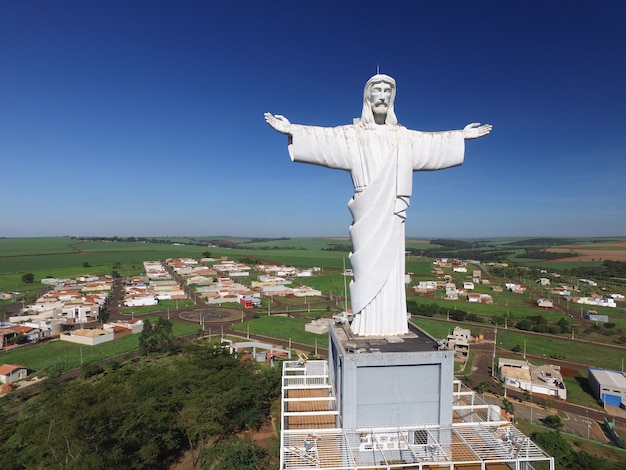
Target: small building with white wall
column 88, row 337
column 545, row 379
column 10, row 373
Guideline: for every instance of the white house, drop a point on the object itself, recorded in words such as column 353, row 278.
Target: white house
column 10, row 373
column 543, row 379
column 427, row 285
column 140, row 301
column 88, row 337
column 305, row 291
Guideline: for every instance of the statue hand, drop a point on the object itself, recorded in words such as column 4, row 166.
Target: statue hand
column 278, row 123
column 475, row 130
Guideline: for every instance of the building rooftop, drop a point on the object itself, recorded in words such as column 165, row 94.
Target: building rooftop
column 415, row 340
column 609, row 377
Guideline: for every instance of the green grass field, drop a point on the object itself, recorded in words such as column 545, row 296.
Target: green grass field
column 281, row 327
column 63, row 356
column 558, row 348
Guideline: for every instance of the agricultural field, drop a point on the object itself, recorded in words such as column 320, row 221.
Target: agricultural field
column 68, row 258
column 613, row 250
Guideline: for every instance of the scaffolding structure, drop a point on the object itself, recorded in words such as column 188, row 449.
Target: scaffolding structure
column 312, row 437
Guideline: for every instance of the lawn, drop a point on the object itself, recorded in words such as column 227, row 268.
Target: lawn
column 561, row 348
column 281, row 327
column 63, row 356
column 513, row 307
column 542, row 346
column 578, row 393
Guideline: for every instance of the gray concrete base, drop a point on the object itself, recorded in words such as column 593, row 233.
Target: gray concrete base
column 397, row 381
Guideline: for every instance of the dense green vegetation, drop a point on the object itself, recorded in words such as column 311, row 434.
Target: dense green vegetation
column 566, row 457
column 144, row 414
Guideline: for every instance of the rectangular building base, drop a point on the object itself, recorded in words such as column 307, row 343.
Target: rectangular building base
column 396, row 381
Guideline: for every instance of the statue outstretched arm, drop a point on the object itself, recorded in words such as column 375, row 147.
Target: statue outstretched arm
column 476, row 130
column 279, row 123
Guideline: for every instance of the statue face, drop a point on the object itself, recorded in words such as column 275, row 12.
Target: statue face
column 380, row 97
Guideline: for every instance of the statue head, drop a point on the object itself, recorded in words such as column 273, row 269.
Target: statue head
column 378, row 100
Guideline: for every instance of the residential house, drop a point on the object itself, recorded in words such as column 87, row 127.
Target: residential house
column 10, row 373
column 88, row 337
column 249, row 300
column 305, row 291
column 134, row 326
column 543, row 379
column 458, row 341
column 425, row 286
column 452, row 292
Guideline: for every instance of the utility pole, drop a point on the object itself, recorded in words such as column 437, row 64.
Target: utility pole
column 493, row 362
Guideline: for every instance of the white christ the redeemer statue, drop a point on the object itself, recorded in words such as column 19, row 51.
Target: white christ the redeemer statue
column 381, row 156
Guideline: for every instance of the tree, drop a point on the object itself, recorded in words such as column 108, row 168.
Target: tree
column 553, row 421
column 524, row 324
column 508, row 406
column 233, row 454
column 28, row 278
column 157, row 337
column 482, row 387
column 556, row 446
column 206, row 254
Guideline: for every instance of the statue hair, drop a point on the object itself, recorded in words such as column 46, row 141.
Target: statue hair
column 367, row 116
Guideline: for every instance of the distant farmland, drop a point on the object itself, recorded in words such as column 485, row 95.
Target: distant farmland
column 614, row 251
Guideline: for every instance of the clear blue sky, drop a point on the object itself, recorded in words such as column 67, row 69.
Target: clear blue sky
column 145, row 117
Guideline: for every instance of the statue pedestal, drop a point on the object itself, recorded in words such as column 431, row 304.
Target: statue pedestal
column 395, row 381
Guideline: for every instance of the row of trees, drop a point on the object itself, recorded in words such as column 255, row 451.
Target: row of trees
column 144, row 414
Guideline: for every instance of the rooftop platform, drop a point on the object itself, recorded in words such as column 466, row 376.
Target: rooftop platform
column 415, row 341
column 312, row 436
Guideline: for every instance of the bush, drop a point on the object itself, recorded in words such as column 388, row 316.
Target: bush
column 89, row 370
column 553, row 421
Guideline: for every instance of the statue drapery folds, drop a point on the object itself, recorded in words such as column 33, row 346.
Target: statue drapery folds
column 380, row 156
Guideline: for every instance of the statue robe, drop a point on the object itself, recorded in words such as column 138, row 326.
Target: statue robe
column 381, row 162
